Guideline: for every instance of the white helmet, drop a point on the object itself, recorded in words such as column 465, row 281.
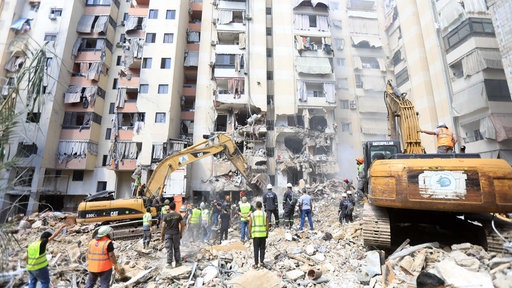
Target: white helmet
column 289, row 185
column 104, row 231
column 344, row 195
column 441, row 124
column 349, row 192
column 269, row 186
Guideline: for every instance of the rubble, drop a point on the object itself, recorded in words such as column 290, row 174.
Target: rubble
column 332, row 255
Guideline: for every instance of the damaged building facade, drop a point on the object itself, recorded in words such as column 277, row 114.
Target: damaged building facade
column 471, row 94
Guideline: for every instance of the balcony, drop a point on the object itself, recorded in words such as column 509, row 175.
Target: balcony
column 127, row 153
column 187, row 115
column 125, row 134
column 76, row 155
column 55, row 184
column 129, row 107
column 88, row 55
column 189, row 91
column 194, row 26
column 130, row 81
column 192, row 47
column 138, row 11
column 231, row 90
column 196, row 6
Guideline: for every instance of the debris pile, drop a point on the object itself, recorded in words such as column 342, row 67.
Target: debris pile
column 331, row 255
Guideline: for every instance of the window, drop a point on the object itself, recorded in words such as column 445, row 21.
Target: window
column 270, row 75
column 469, row 28
column 340, row 62
column 98, row 3
column 268, row 10
column 342, row 83
column 146, row 63
column 78, row 175
column 125, row 16
column 159, row 117
column 122, row 38
column 114, row 83
column 111, row 108
column 56, row 12
column 143, row 89
column 50, row 37
column 402, row 77
column 344, row 104
column 33, row 117
column 150, row 37
column 359, row 81
column 339, row 43
column 101, row 186
column 26, row 149
column 370, row 63
column 170, row 14
column 497, row 90
column 165, row 63
column 269, row 52
column 119, row 61
column 346, row 127
column 168, row 37
column 163, row 89
column 104, row 160
column 397, row 57
column 153, row 14
column 108, row 133
column 312, row 20
column 269, row 31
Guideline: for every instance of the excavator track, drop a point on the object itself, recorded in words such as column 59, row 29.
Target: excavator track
column 495, row 243
column 127, row 233
column 376, row 227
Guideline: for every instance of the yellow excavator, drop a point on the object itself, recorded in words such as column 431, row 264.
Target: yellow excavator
column 411, row 194
column 93, row 211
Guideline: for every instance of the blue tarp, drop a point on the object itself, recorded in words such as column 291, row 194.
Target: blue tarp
column 18, row 24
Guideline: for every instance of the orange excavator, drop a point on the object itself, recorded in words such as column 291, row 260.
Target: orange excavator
column 100, row 209
column 413, row 193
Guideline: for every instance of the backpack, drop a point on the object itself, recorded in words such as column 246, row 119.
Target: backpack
column 350, row 207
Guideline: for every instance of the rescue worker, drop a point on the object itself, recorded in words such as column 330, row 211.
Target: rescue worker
column 101, row 258
column 146, row 227
column 224, row 223
column 352, row 200
column 195, row 222
column 172, row 232
column 258, row 227
column 165, row 208
column 271, row 205
column 216, row 210
column 306, row 207
column 343, row 210
column 245, row 214
column 37, row 263
column 205, row 223
column 361, row 178
column 289, row 203
column 446, row 139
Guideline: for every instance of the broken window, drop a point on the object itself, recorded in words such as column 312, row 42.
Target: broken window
column 22, row 176
column 397, row 57
column 294, row 144
column 497, row 90
column 26, row 149
column 293, row 175
column 346, row 127
column 370, row 63
column 457, row 70
column 402, row 77
column 221, row 123
column 33, row 117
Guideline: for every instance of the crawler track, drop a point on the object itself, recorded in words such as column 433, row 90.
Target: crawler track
column 376, row 227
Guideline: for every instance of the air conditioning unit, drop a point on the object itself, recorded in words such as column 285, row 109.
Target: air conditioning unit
column 353, row 105
column 52, row 16
column 123, row 22
column 119, row 44
column 214, row 42
column 5, row 90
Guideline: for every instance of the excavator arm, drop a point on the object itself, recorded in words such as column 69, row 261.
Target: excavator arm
column 209, row 147
column 402, row 110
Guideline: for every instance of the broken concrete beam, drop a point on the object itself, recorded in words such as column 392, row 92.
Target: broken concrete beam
column 294, row 274
column 458, row 276
column 413, row 249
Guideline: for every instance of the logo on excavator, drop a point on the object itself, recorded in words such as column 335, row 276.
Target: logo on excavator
column 443, row 184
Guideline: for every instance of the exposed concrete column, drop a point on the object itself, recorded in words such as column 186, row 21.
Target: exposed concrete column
column 35, row 190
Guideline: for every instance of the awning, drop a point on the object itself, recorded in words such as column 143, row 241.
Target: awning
column 315, row 2
column 313, row 65
column 503, row 124
column 21, row 24
column 373, row 41
column 85, row 24
column 479, row 60
column 470, row 99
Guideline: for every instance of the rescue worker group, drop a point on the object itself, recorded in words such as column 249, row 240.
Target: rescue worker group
column 206, row 222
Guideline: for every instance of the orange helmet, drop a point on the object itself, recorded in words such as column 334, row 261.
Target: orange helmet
column 345, row 180
column 227, row 198
column 360, row 160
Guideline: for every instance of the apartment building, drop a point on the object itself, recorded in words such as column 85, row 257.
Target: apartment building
column 450, row 64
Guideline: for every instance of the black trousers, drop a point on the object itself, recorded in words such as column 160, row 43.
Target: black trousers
column 223, row 234
column 259, row 244
column 172, row 243
column 276, row 216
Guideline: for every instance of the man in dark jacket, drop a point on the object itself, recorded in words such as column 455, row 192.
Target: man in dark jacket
column 289, row 202
column 271, row 205
column 344, row 209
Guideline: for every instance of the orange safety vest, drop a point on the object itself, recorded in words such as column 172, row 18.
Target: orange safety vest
column 97, row 255
column 444, row 137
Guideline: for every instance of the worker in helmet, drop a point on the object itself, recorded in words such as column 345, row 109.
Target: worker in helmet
column 101, row 258
column 165, row 208
column 446, row 139
column 289, row 203
column 271, row 205
column 361, row 177
column 343, row 210
column 37, row 264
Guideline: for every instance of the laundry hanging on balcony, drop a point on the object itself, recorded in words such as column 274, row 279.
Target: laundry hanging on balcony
column 15, row 63
column 90, row 94
column 225, row 16
column 73, row 149
column 330, row 93
column 22, row 24
column 313, row 65
column 85, row 24
column 73, row 94
column 121, row 96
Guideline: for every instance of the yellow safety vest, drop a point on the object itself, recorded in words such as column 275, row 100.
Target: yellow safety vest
column 196, row 216
column 146, row 218
column 245, row 210
column 205, row 215
column 164, row 210
column 259, row 224
column 35, row 261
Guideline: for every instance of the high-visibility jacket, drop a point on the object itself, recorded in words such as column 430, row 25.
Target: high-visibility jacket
column 35, row 261
column 163, row 211
column 205, row 216
column 444, row 137
column 259, row 224
column 146, row 218
column 97, row 255
column 196, row 216
column 245, row 210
